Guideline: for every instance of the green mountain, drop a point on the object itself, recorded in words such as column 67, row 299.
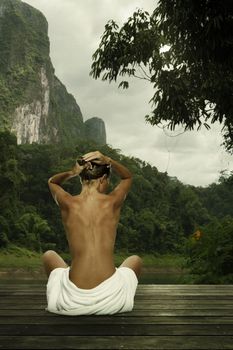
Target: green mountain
column 34, row 104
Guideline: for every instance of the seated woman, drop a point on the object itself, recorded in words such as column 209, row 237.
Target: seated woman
column 92, row 284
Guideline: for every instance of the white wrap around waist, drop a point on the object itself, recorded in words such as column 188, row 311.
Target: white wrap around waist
column 115, row 294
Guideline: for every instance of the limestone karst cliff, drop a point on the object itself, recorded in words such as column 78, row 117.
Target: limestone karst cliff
column 34, row 104
column 95, row 129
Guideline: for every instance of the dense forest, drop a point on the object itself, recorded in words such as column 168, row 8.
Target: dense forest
column 160, row 215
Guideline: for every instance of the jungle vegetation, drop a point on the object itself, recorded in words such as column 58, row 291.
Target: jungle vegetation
column 161, row 215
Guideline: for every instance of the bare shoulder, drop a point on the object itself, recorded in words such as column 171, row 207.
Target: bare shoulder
column 120, row 192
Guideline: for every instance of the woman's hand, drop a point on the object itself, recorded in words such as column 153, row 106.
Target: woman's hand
column 77, row 169
column 96, row 157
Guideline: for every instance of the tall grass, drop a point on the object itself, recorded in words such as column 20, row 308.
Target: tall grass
column 19, row 257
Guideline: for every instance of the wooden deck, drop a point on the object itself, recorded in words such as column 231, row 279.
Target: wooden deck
column 164, row 317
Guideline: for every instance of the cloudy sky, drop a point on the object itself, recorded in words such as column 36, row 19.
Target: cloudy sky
column 75, row 28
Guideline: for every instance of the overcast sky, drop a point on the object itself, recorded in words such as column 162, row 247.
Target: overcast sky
column 75, row 28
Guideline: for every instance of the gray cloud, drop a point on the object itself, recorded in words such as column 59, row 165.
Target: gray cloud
column 75, row 28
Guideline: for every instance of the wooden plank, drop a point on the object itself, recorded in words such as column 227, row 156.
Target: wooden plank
column 116, row 342
column 147, row 300
column 180, row 286
column 114, row 329
column 191, row 287
column 50, row 318
column 171, row 313
column 143, row 305
column 140, row 287
column 171, row 296
column 28, row 304
column 25, row 306
column 138, row 299
column 152, row 302
column 181, row 292
column 184, row 302
column 38, row 283
column 182, row 297
column 186, row 306
column 139, row 290
column 164, row 288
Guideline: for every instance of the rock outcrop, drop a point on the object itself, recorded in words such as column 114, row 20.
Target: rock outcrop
column 95, row 130
column 34, row 104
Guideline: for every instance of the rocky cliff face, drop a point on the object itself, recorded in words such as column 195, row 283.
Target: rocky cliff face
column 34, row 104
column 95, row 130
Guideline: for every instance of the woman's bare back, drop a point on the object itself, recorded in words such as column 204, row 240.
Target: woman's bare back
column 90, row 222
column 91, row 218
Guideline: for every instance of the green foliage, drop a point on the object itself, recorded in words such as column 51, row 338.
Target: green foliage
column 31, row 231
column 210, row 257
column 11, row 178
column 4, row 232
column 218, row 198
column 158, row 217
column 193, row 78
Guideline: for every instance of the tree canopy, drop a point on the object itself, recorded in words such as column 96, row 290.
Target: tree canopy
column 193, row 78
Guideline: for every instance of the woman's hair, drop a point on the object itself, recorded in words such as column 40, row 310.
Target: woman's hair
column 97, row 171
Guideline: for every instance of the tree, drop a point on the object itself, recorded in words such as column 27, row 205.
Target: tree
column 218, row 198
column 11, row 179
column 146, row 228
column 33, row 231
column 4, row 231
column 193, row 78
column 210, row 258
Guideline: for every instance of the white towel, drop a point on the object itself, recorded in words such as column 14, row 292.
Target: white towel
column 115, row 294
